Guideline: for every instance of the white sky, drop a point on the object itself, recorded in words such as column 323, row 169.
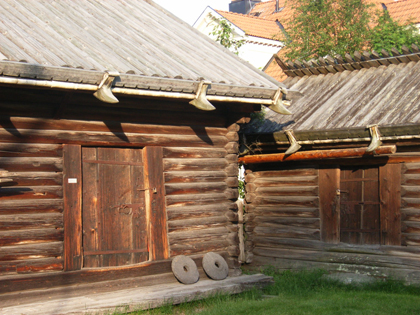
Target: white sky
column 190, row 10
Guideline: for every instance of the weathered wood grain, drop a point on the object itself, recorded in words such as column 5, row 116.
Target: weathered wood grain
column 31, row 192
column 31, row 251
column 194, row 164
column 31, row 221
column 329, row 204
column 21, row 237
column 35, row 178
column 197, row 223
column 282, row 211
column 195, row 188
column 28, row 206
column 173, row 152
column 30, row 150
column 31, row 164
column 285, row 232
column 202, row 211
column 194, row 176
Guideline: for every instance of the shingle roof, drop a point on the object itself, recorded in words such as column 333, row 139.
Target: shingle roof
column 129, row 36
column 251, row 25
column 385, row 94
column 405, row 10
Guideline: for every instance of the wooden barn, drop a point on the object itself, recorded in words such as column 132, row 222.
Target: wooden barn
column 337, row 184
column 99, row 189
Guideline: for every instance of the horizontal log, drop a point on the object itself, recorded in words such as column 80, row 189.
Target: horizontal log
column 31, row 251
column 285, row 181
column 28, row 206
column 31, row 266
column 195, row 188
column 31, row 192
column 342, row 258
column 9, row 238
column 282, row 173
column 34, row 178
column 411, row 179
column 197, row 223
column 113, row 126
column 30, row 150
column 306, row 212
column 194, row 176
column 31, row 221
column 384, row 250
column 232, row 147
column 411, row 240
column 200, row 235
column 287, row 232
column 283, row 190
column 190, row 212
column 195, row 200
column 298, row 201
column 410, row 215
column 189, row 153
column 189, row 248
column 410, row 168
column 118, row 138
column 31, row 164
column 410, row 227
column 194, row 164
column 315, row 155
column 410, row 202
column 232, row 182
column 263, row 221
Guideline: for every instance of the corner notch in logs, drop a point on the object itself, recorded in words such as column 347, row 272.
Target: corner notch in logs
column 104, row 92
column 376, row 138
column 200, row 100
column 294, row 145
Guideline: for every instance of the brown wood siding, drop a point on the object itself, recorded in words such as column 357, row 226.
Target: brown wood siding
column 199, row 165
column 288, row 236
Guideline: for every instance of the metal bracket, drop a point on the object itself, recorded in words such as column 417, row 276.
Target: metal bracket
column 200, row 100
column 278, row 103
column 104, row 92
column 376, row 138
column 294, row 145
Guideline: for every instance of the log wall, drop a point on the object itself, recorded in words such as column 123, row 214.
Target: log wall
column 284, row 229
column 199, row 160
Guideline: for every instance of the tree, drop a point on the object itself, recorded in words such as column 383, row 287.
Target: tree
column 388, row 34
column 224, row 35
column 327, row 27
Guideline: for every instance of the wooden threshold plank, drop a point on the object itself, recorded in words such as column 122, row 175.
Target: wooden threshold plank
column 141, row 298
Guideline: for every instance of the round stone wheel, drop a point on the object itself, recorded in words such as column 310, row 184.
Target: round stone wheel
column 185, row 269
column 215, row 266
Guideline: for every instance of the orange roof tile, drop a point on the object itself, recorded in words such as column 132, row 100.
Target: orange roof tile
column 404, row 10
column 251, row 25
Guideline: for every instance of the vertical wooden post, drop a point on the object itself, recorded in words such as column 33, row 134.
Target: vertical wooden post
column 72, row 194
column 329, row 204
column 155, row 203
column 390, row 196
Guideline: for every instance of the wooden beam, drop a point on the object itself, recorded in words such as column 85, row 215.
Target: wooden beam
column 72, row 194
column 316, row 155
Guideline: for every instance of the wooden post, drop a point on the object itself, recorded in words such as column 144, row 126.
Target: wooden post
column 72, row 195
column 329, row 204
column 155, row 203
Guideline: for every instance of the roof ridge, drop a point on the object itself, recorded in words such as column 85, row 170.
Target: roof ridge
column 245, row 15
column 328, row 64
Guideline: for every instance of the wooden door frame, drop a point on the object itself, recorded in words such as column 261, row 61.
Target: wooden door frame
column 72, row 197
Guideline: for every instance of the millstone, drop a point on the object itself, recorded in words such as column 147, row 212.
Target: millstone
column 215, row 266
column 185, row 269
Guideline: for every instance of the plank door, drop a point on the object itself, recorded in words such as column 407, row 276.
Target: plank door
column 360, row 209
column 113, row 211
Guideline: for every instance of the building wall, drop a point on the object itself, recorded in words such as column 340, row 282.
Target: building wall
column 199, row 168
column 286, row 222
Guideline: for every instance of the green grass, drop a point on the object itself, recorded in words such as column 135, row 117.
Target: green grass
column 307, row 292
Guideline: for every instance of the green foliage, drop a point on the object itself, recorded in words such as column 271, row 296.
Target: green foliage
column 241, row 189
column 327, row 27
column 224, row 35
column 388, row 34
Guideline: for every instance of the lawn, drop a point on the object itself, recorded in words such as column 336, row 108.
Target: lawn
column 307, row 292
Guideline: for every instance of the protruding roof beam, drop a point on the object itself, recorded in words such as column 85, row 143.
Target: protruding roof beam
column 294, row 145
column 376, row 138
column 104, row 92
column 200, row 100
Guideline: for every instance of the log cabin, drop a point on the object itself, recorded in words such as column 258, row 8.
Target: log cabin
column 336, row 185
column 118, row 145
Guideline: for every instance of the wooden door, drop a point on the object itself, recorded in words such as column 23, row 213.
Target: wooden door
column 360, row 209
column 113, row 212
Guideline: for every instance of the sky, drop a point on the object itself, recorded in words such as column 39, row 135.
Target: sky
column 190, row 10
